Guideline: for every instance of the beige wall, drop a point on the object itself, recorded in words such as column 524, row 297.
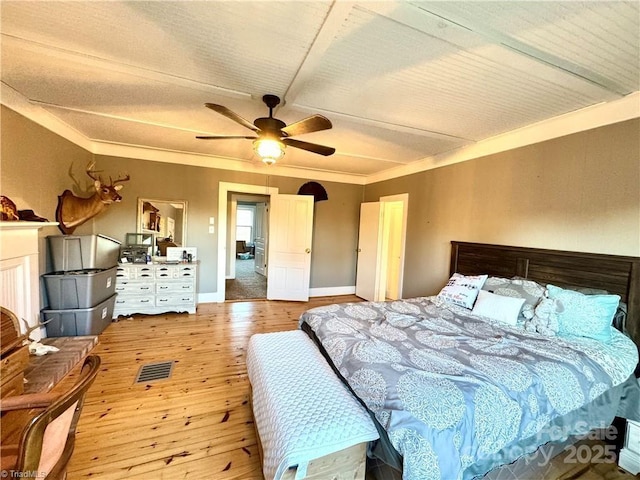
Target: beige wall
column 35, row 170
column 580, row 192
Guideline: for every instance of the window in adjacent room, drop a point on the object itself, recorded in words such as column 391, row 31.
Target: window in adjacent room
column 245, row 215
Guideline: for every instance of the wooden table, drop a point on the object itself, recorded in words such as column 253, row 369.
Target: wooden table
column 55, row 371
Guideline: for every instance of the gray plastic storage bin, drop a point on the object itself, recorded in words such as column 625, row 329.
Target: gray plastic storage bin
column 80, row 321
column 80, row 288
column 81, row 252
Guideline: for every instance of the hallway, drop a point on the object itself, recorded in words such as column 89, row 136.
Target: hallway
column 248, row 284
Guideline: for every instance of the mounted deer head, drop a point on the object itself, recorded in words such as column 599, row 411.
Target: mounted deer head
column 73, row 211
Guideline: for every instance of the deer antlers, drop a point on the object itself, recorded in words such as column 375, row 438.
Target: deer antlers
column 92, row 174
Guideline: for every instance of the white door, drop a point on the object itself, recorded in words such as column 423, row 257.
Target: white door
column 290, row 236
column 260, row 241
column 369, row 275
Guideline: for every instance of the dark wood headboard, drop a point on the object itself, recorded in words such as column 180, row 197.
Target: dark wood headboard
column 616, row 274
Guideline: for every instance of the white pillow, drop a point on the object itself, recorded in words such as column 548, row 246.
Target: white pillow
column 497, row 307
column 462, row 290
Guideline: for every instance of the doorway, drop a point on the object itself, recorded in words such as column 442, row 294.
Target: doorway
column 226, row 250
column 248, row 227
column 381, row 248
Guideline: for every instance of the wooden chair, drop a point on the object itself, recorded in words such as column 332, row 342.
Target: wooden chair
column 47, row 442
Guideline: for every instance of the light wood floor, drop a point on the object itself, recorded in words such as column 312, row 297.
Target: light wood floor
column 197, row 424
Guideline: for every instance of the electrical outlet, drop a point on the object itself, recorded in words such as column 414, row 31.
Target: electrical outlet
column 212, row 229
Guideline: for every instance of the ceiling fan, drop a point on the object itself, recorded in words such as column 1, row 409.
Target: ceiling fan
column 273, row 135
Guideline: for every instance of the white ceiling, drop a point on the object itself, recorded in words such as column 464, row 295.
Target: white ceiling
column 401, row 81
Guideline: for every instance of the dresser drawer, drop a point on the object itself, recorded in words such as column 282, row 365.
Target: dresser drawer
column 187, row 271
column 133, row 301
column 124, row 273
column 134, row 288
column 144, row 272
column 135, row 272
column 186, row 299
column 167, row 271
column 174, row 287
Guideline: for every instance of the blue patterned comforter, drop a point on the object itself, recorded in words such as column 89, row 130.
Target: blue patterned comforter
column 452, row 389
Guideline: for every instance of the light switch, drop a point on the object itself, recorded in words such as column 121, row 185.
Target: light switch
column 212, row 229
column 212, row 221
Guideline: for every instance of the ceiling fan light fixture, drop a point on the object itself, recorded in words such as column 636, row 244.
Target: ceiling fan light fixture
column 272, row 135
column 269, row 150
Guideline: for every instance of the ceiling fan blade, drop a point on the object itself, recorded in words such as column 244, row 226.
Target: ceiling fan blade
column 315, row 123
column 223, row 137
column 222, row 110
column 310, row 147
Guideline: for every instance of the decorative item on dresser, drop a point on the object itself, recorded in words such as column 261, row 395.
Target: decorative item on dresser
column 155, row 288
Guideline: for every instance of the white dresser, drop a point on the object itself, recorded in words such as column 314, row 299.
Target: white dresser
column 155, row 288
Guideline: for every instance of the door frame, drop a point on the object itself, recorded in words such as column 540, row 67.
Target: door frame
column 223, row 192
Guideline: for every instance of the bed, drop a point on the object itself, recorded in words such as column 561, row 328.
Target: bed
column 456, row 394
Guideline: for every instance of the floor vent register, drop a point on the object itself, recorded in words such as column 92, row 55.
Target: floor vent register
column 153, row 372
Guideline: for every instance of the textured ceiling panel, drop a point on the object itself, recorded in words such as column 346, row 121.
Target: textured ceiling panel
column 251, row 47
column 434, row 84
column 598, row 40
column 73, row 84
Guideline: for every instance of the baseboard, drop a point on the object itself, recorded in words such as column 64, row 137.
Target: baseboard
column 332, row 291
column 209, row 297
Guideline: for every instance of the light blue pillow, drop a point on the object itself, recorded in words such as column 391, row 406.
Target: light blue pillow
column 584, row 315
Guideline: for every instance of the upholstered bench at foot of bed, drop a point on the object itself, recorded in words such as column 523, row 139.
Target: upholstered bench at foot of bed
column 308, row 424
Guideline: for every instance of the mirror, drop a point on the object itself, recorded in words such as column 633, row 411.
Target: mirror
column 166, row 220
